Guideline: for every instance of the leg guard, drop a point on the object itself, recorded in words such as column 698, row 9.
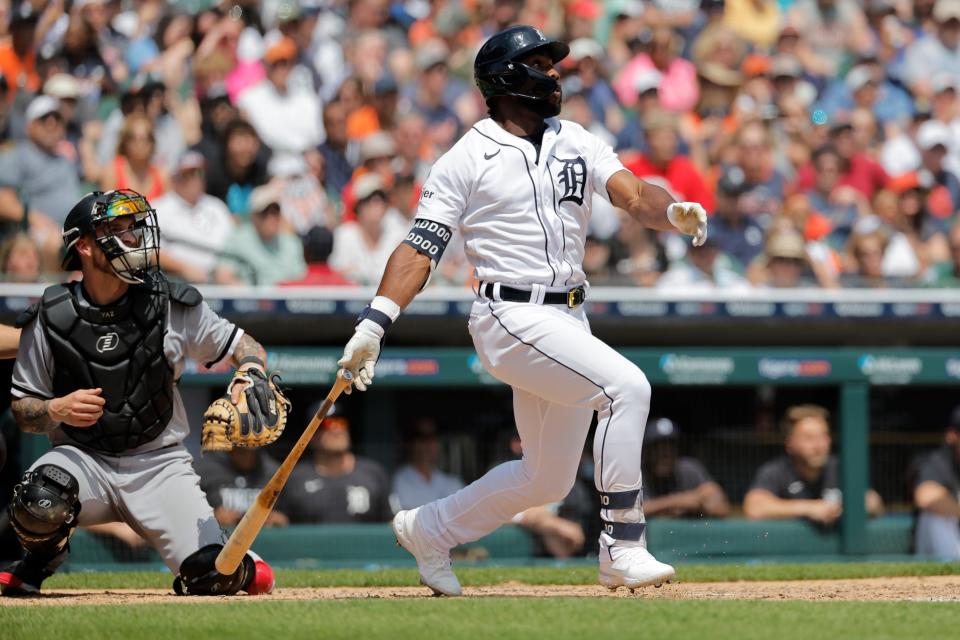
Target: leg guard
column 199, row 577
column 44, row 509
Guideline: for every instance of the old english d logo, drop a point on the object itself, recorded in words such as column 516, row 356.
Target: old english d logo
column 108, row 342
column 573, row 179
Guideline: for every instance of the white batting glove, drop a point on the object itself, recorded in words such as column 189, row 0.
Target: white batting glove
column 361, row 353
column 690, row 218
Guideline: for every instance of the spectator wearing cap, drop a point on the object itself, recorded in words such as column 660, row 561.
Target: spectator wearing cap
column 867, row 85
column 785, row 262
column 18, row 56
column 676, row 486
column 936, row 495
column 317, row 247
column 333, row 484
column 303, row 201
column 362, row 247
column 297, row 20
column 840, row 204
column 66, row 89
column 46, row 181
column 935, row 53
column 587, row 60
column 678, row 85
column 738, row 235
column 233, row 479
column 647, row 87
column 703, row 268
column 833, row 29
column 133, row 166
column 287, row 119
column 419, row 480
column 429, row 96
column 756, row 21
column 945, row 110
column 663, row 164
column 936, row 142
column 259, row 251
column 194, row 226
column 236, row 166
column 339, row 153
column 805, row 482
column 917, row 201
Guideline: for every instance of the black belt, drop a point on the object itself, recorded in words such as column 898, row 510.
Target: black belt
column 571, row 298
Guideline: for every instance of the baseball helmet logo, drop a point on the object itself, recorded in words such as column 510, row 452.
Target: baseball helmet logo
column 44, row 503
column 108, row 342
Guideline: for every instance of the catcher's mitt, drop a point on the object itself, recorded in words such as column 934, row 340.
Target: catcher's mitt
column 256, row 420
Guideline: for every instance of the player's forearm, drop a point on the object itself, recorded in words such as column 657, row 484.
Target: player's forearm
column 406, row 272
column 934, row 497
column 247, row 347
column 649, row 207
column 682, row 502
column 714, row 501
column 763, row 505
column 33, row 415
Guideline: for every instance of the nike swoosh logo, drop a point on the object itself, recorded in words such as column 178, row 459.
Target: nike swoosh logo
column 487, row 157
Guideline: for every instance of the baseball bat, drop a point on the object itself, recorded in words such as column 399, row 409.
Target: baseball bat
column 249, row 526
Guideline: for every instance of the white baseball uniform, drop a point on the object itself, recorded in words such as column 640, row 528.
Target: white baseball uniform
column 524, row 215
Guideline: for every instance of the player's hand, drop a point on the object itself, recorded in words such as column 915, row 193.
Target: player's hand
column 360, row 357
column 690, row 218
column 825, row 511
column 82, row 408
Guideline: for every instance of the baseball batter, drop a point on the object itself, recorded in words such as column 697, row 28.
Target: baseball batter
column 518, row 185
column 96, row 371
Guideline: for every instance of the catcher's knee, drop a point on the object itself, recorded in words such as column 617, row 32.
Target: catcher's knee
column 44, row 509
column 198, row 575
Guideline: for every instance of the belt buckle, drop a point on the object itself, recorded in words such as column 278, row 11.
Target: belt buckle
column 575, row 297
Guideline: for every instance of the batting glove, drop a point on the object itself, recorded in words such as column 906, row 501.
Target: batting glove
column 361, row 353
column 690, row 218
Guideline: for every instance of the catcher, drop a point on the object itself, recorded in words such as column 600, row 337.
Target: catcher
column 97, row 372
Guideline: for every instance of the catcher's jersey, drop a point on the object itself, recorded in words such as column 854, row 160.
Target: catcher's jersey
column 194, row 332
column 523, row 215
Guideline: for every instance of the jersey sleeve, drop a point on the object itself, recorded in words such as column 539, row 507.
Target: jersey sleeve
column 446, row 190
column 692, row 473
column 605, row 163
column 208, row 338
column 933, row 468
column 769, row 478
column 33, row 370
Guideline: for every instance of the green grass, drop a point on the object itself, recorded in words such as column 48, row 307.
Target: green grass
column 477, row 576
column 467, row 619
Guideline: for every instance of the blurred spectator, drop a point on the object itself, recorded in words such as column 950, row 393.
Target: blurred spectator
column 303, row 202
column 645, row 258
column 833, row 29
column 33, row 174
column 905, row 256
column 859, row 170
column 66, row 90
column 336, row 485
column 867, row 86
column 916, row 202
column 19, row 258
column 678, row 84
column 738, row 235
column 936, row 52
column 194, row 226
column 237, row 166
column 673, row 485
column 937, row 497
column 288, row 119
column 361, row 248
column 839, row 204
column 935, row 139
column 18, row 56
column 337, row 149
column 259, row 251
column 865, row 251
column 947, row 273
column 232, row 481
column 317, row 247
column 419, row 481
column 663, row 165
column 804, row 483
column 756, row 21
column 789, row 261
column 133, row 168
column 703, row 268
column 587, row 57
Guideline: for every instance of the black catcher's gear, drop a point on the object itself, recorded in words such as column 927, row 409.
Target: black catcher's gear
column 498, row 72
column 44, row 510
column 199, row 577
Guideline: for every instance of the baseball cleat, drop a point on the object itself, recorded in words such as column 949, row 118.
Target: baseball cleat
column 263, row 581
column 433, row 564
column 22, row 578
column 632, row 567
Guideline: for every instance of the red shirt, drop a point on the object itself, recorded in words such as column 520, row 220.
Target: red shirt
column 681, row 177
column 865, row 175
column 319, row 275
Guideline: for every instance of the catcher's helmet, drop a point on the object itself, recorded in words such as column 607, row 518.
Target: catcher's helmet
column 131, row 249
column 498, row 72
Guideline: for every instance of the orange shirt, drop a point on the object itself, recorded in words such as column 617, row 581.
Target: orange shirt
column 19, row 70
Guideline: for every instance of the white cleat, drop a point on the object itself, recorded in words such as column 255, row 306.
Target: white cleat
column 632, row 567
column 433, row 564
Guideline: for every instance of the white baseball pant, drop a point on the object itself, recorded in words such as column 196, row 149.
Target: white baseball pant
column 560, row 374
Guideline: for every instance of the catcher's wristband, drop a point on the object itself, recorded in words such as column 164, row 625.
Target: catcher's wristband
column 377, row 316
column 254, row 360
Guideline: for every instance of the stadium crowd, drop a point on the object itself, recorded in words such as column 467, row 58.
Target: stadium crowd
column 284, row 141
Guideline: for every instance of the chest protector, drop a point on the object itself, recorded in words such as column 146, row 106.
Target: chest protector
column 118, row 348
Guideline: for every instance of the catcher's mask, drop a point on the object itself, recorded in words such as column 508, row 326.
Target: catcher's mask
column 124, row 226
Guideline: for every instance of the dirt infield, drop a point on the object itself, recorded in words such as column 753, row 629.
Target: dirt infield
column 925, row 589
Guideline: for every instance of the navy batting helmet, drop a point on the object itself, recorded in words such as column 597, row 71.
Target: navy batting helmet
column 498, row 72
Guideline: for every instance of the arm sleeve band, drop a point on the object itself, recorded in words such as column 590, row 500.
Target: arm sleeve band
column 429, row 238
